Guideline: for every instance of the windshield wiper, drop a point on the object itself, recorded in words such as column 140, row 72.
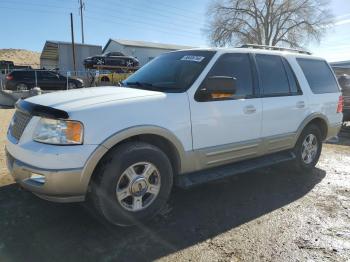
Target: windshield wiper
column 149, row 86
column 137, row 83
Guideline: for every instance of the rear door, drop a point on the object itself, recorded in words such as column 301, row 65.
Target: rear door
column 25, row 77
column 284, row 105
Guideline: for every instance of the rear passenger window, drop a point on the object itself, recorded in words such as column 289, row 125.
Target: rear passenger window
column 319, row 76
column 273, row 76
column 24, row 74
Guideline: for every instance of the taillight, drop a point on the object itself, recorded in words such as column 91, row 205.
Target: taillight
column 9, row 77
column 340, row 104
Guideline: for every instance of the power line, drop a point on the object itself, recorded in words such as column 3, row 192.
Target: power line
column 160, row 27
column 153, row 23
column 128, row 24
column 155, row 10
column 161, row 23
column 176, row 7
column 31, row 10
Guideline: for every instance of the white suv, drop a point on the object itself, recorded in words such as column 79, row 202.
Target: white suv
column 185, row 118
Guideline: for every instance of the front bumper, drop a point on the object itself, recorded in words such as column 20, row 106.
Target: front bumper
column 59, row 185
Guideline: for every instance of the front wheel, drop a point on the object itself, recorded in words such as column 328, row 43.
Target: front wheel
column 132, row 184
column 308, row 148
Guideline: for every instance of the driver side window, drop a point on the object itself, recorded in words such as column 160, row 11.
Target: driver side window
column 236, row 66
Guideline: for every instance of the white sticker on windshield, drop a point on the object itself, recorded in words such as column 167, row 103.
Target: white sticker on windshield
column 193, row 58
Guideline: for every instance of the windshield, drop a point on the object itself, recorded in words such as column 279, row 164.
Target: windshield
column 171, row 72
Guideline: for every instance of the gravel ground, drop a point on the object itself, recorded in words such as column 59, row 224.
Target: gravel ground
column 274, row 214
column 5, row 117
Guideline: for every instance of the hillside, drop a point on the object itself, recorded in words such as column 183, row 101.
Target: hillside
column 21, row 57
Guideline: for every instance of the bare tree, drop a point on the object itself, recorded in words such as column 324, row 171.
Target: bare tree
column 291, row 23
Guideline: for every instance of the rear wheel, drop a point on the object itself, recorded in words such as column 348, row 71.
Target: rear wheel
column 72, row 85
column 308, row 148
column 133, row 183
column 104, row 79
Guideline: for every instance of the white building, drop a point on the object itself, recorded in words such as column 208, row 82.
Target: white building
column 58, row 54
column 143, row 51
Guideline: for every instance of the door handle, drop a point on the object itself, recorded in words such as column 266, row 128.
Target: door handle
column 300, row 104
column 249, row 109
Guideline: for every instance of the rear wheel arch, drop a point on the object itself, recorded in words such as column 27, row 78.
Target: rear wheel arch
column 318, row 120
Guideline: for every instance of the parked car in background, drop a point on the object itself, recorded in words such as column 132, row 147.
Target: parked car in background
column 19, row 80
column 185, row 118
column 344, row 82
column 114, row 59
column 6, row 66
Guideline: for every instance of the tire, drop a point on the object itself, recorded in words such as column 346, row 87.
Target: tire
column 22, row 87
column 116, row 191
column 72, row 85
column 104, row 79
column 305, row 161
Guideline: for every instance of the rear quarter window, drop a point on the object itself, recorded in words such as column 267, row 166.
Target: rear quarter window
column 319, row 76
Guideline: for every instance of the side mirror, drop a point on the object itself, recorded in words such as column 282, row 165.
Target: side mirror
column 216, row 87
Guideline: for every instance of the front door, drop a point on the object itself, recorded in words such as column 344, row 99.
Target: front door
column 227, row 128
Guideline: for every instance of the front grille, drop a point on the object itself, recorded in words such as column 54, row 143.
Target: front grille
column 19, row 123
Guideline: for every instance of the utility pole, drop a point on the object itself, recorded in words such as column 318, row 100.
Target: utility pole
column 81, row 7
column 73, row 45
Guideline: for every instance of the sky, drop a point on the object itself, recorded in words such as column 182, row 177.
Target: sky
column 27, row 24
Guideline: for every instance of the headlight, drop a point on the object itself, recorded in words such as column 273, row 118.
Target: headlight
column 59, row 132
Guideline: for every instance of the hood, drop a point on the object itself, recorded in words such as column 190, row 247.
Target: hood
column 86, row 97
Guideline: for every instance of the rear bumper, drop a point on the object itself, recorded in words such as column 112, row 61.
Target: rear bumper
column 60, row 185
column 333, row 130
column 346, row 115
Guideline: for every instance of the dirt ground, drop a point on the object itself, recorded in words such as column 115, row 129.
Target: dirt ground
column 5, row 117
column 21, row 57
column 272, row 214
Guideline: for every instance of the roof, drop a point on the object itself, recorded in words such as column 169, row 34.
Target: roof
column 146, row 44
column 50, row 50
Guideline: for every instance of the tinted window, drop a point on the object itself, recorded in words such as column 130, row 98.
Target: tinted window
column 319, row 76
column 23, row 74
column 45, row 74
column 273, row 76
column 293, row 82
column 239, row 67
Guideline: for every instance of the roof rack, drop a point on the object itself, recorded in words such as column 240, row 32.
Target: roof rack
column 267, row 47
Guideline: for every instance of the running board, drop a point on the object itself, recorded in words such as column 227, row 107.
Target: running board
column 201, row 177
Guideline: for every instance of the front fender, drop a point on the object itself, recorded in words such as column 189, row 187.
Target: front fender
column 124, row 134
